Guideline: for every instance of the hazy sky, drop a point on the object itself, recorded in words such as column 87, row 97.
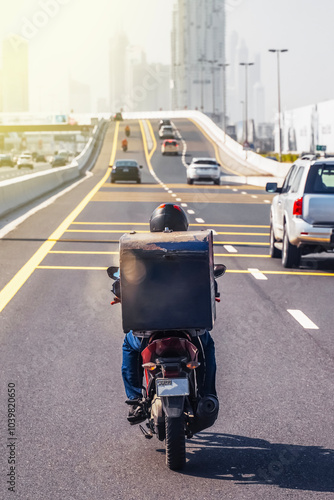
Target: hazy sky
column 70, row 37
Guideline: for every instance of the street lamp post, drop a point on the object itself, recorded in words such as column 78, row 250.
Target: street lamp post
column 246, row 97
column 278, row 51
column 223, row 66
column 213, row 62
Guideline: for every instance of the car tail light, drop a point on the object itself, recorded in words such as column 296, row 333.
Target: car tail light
column 298, row 207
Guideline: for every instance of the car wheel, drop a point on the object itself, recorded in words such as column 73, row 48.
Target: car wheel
column 189, row 181
column 217, row 182
column 139, row 181
column 163, row 154
column 290, row 253
column 112, row 180
column 274, row 252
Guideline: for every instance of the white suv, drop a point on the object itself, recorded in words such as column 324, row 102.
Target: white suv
column 302, row 213
column 203, row 169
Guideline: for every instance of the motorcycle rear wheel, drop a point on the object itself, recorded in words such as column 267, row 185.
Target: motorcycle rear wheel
column 175, row 443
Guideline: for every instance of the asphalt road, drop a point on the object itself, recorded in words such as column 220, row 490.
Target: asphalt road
column 60, row 344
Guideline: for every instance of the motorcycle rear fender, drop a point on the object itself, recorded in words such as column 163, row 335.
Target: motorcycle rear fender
column 173, row 405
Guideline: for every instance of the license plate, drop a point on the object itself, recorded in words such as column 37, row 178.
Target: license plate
column 125, row 169
column 172, row 387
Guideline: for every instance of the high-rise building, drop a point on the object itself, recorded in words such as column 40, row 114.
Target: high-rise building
column 79, row 97
column 198, row 53
column 15, row 87
column 119, row 72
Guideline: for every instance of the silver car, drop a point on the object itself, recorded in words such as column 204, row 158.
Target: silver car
column 302, row 213
column 203, row 169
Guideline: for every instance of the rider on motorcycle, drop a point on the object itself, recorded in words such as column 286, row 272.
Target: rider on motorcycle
column 127, row 131
column 124, row 143
column 174, row 218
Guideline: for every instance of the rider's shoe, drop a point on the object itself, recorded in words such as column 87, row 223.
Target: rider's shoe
column 136, row 412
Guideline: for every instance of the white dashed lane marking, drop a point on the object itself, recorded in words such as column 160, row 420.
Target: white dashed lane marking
column 230, row 249
column 190, row 211
column 302, row 319
column 200, row 221
column 257, row 274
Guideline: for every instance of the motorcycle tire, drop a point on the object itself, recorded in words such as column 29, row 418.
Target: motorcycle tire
column 175, row 443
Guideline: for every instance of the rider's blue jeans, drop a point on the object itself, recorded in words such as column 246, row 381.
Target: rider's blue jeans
column 132, row 371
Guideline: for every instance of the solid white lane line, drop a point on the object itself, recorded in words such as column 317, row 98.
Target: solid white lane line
column 230, row 249
column 257, row 274
column 200, row 221
column 190, row 211
column 303, row 319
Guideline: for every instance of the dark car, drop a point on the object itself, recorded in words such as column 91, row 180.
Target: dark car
column 6, row 161
column 59, row 161
column 118, row 117
column 164, row 123
column 126, row 170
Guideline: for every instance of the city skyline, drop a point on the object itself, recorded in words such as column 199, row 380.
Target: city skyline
column 68, row 39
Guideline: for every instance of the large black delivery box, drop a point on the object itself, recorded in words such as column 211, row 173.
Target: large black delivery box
column 167, row 281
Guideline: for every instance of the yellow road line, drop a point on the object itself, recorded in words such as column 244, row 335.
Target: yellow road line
column 258, row 256
column 113, row 223
column 153, row 139
column 103, row 231
column 146, row 224
column 140, row 231
column 230, row 271
column 148, row 155
column 241, row 243
column 14, row 285
column 82, row 252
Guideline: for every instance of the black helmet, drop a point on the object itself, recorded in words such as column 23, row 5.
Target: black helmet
column 168, row 215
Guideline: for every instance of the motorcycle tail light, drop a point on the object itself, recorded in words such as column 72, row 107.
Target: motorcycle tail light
column 192, row 365
column 149, row 366
column 298, row 207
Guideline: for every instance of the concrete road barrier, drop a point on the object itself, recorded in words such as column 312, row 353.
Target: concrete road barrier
column 19, row 191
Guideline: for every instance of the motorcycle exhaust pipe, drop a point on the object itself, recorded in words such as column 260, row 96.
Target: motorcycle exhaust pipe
column 206, row 414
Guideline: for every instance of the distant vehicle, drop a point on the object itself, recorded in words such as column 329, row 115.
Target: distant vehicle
column 25, row 161
column 126, row 170
column 118, row 117
column 164, row 123
column 302, row 212
column 203, row 169
column 59, row 161
column 170, row 146
column 167, row 132
column 6, row 161
column 41, row 159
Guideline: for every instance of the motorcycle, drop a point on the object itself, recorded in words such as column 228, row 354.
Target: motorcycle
column 171, row 401
column 124, row 147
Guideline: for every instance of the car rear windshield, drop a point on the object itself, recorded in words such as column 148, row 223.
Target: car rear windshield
column 126, row 163
column 205, row 162
column 320, row 179
column 171, row 143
